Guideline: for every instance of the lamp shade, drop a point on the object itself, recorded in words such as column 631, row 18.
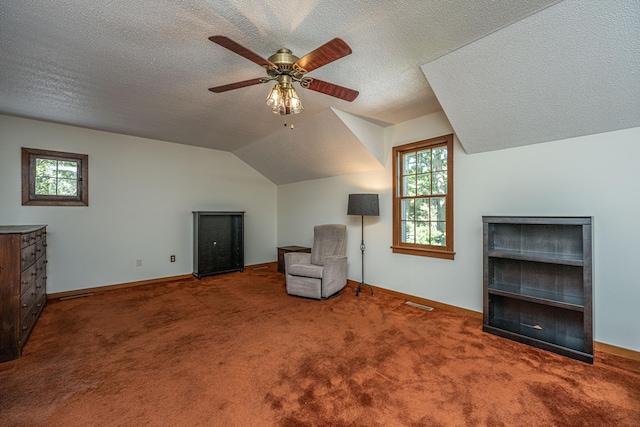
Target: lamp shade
column 363, row 204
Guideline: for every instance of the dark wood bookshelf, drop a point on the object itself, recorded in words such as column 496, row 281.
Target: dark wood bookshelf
column 537, row 280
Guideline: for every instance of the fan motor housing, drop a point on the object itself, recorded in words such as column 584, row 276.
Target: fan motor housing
column 284, row 59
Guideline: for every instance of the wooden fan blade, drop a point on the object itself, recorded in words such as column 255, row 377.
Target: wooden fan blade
column 236, row 85
column 328, row 52
column 333, row 90
column 241, row 50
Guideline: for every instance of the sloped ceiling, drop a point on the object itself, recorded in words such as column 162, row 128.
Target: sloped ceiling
column 142, row 68
column 329, row 148
column 570, row 70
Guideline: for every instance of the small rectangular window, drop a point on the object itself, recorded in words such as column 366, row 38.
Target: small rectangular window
column 53, row 178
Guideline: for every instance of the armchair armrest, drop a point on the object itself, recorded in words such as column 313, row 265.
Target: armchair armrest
column 296, row 258
column 334, row 274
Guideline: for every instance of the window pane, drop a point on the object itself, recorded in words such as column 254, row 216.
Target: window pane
column 438, row 210
column 409, row 186
column 422, row 209
column 438, row 233
column 424, row 161
column 422, row 233
column 408, row 212
column 46, row 167
column 424, row 185
column 68, row 170
column 45, row 185
column 67, row 187
column 439, row 159
column 409, row 163
column 440, row 183
column 408, row 232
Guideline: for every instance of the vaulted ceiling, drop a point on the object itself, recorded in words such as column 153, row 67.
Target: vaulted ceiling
column 506, row 73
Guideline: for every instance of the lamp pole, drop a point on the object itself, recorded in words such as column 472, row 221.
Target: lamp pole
column 362, row 252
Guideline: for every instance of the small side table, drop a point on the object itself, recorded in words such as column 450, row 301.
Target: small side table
column 284, row 249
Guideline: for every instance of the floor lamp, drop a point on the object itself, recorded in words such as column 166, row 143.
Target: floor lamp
column 363, row 204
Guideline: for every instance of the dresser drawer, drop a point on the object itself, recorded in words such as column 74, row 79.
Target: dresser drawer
column 41, row 284
column 27, row 322
column 28, row 278
column 40, row 247
column 41, row 265
column 32, row 237
column 27, row 300
column 25, row 240
column 30, row 317
column 27, row 256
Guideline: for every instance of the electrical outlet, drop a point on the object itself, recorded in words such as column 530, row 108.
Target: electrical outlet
column 173, row 258
column 138, row 263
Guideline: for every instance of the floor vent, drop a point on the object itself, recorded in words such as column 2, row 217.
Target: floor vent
column 415, row 304
column 76, row 296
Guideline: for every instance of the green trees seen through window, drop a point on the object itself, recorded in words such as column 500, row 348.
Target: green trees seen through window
column 56, row 177
column 424, row 190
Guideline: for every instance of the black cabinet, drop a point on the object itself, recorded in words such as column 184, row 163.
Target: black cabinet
column 218, row 242
column 538, row 282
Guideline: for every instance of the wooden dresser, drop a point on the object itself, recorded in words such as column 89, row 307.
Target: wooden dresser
column 23, row 265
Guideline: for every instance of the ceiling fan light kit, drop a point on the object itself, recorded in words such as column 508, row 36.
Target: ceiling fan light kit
column 286, row 68
column 284, row 100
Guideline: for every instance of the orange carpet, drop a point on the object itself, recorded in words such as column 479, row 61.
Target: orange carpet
column 236, row 350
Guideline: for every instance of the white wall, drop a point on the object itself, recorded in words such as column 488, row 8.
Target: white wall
column 141, row 195
column 595, row 175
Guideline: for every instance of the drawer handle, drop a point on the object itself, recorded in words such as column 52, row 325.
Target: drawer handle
column 24, row 328
column 25, row 282
column 34, row 314
column 38, row 286
column 25, row 305
column 39, row 304
column 34, row 293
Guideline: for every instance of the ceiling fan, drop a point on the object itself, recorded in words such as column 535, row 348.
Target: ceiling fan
column 286, row 68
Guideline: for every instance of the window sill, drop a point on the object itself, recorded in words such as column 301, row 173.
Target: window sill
column 433, row 253
column 49, row 202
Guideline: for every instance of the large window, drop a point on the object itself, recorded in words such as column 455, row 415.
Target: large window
column 52, row 178
column 423, row 198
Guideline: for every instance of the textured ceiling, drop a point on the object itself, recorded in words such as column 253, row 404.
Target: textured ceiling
column 581, row 76
column 142, row 67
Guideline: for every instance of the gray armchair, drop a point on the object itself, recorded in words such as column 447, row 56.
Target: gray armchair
column 322, row 273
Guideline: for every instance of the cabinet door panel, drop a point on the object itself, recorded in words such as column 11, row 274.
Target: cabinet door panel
column 218, row 243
